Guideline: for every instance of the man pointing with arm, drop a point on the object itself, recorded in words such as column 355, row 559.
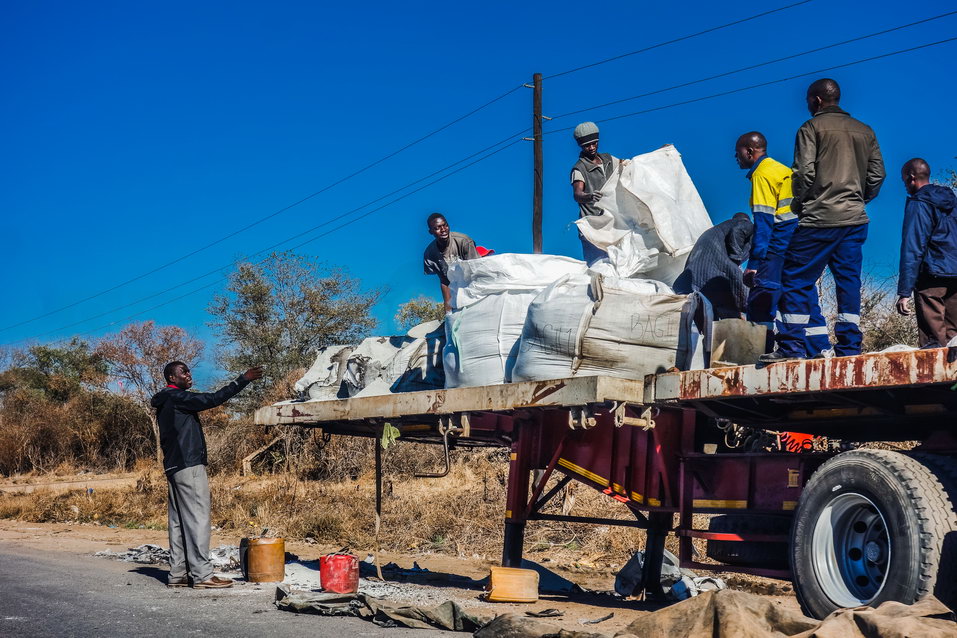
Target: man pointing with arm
column 184, row 462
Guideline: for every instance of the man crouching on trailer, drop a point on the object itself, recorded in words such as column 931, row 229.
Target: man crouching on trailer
column 184, row 462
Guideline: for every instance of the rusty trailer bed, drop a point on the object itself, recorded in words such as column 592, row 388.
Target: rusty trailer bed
column 880, row 396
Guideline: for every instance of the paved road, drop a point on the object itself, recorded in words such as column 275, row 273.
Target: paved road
column 65, row 594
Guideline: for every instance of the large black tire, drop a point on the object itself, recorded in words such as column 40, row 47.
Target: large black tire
column 750, row 554
column 873, row 526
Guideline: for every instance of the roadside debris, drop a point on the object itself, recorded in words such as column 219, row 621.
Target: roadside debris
column 447, row 615
column 224, row 557
column 733, row 614
column 598, row 620
column 677, row 583
column 545, row 613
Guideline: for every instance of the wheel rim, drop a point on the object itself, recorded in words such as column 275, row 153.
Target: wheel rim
column 851, row 550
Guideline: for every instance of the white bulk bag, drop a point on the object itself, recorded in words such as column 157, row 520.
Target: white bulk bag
column 490, row 300
column 609, row 326
column 652, row 217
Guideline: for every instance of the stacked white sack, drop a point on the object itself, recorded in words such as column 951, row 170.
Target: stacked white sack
column 490, row 297
column 607, row 326
column 652, row 217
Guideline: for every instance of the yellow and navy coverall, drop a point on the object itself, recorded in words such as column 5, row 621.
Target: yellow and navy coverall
column 774, row 223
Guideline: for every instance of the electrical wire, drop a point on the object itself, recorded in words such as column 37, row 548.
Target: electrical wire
column 267, row 217
column 381, row 160
column 754, row 66
column 312, row 229
column 328, row 232
column 675, row 40
column 762, row 84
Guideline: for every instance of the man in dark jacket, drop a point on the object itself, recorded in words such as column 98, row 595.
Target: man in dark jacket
column 184, row 462
column 714, row 266
column 928, row 256
column 837, row 170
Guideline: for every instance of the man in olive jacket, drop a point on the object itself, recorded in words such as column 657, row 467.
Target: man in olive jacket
column 837, row 170
column 184, row 462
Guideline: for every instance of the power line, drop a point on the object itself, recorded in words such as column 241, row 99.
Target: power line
column 303, row 233
column 379, row 161
column 328, row 232
column 675, row 40
column 762, row 84
column 267, row 217
column 754, row 66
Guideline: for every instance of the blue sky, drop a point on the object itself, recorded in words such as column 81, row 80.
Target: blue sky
column 135, row 133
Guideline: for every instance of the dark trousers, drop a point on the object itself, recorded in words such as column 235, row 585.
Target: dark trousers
column 763, row 298
column 803, row 331
column 935, row 301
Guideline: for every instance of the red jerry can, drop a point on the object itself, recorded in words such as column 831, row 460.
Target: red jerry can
column 339, row 573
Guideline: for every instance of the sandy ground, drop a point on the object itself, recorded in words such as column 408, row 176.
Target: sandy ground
column 447, row 578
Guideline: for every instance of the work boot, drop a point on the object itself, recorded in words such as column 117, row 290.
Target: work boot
column 181, row 581
column 214, row 582
column 776, row 357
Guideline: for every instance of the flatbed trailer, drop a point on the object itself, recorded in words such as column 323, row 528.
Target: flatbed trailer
column 849, row 526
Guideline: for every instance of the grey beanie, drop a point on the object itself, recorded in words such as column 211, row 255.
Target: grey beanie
column 586, row 132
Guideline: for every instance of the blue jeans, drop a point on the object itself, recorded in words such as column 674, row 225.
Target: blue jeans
column 803, row 331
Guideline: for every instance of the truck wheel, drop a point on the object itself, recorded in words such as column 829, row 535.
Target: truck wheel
column 871, row 527
column 750, row 554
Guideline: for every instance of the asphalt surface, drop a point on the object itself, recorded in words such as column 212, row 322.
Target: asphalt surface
column 69, row 594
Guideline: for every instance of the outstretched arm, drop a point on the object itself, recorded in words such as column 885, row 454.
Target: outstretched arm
column 198, row 401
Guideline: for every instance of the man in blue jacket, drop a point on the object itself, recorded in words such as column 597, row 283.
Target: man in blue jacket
column 928, row 256
column 184, row 462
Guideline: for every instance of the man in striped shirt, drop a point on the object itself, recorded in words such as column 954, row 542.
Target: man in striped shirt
column 774, row 223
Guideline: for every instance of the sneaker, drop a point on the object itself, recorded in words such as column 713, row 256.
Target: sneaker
column 214, row 582
column 182, row 581
column 776, row 357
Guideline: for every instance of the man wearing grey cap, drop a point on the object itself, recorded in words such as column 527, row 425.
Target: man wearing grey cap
column 589, row 174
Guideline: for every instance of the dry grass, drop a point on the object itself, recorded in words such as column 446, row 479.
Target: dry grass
column 460, row 515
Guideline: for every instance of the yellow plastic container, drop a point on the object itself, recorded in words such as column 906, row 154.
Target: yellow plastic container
column 263, row 560
column 513, row 585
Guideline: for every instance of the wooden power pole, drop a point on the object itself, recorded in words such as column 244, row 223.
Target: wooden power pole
column 537, row 186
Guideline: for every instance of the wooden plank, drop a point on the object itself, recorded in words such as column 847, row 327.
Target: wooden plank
column 494, row 398
column 867, row 371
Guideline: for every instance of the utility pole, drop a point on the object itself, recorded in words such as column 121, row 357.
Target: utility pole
column 537, row 185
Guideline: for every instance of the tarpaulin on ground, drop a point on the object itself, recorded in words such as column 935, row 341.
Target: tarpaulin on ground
column 447, row 615
column 734, row 614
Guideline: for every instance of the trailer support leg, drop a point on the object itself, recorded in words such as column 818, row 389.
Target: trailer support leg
column 517, row 506
column 659, row 524
column 514, row 540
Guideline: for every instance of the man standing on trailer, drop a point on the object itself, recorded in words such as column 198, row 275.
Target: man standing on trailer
column 589, row 175
column 928, row 256
column 837, row 170
column 774, row 223
column 184, row 462
column 447, row 248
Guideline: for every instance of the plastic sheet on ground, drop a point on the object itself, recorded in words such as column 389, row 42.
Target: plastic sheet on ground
column 447, row 615
column 652, row 217
column 735, row 614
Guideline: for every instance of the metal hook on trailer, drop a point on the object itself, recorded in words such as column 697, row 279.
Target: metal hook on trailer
column 447, row 428
column 581, row 418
